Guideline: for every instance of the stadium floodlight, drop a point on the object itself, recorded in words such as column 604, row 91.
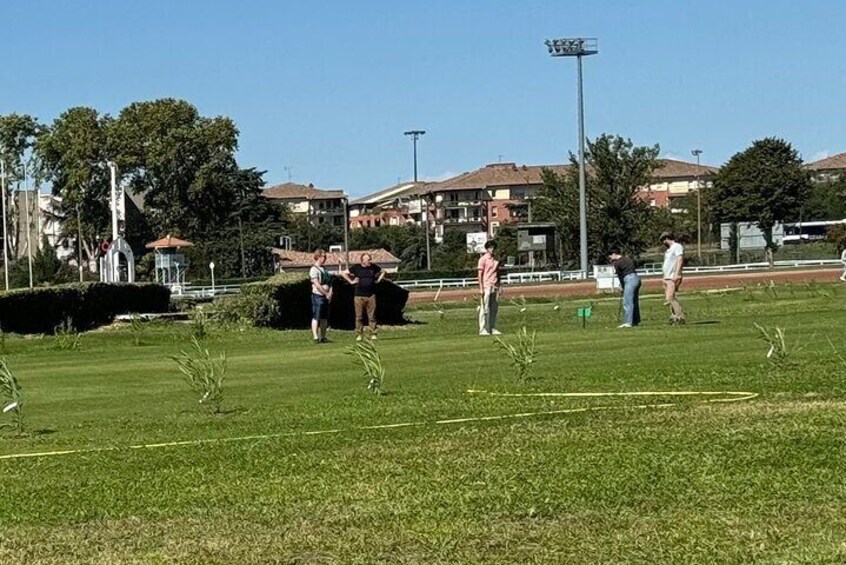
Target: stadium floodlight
column 415, row 134
column 578, row 47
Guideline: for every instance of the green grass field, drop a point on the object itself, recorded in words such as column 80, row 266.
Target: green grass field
column 759, row 480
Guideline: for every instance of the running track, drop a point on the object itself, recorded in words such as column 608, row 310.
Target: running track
column 587, row 288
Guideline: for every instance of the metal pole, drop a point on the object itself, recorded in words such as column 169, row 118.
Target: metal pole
column 698, row 152
column 79, row 240
column 424, row 210
column 5, row 234
column 583, row 244
column 28, row 226
column 346, row 232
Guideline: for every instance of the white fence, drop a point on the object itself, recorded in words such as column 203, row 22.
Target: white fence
column 189, row 291
column 652, row 271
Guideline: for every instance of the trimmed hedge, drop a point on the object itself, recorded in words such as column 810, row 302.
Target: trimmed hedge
column 284, row 302
column 88, row 305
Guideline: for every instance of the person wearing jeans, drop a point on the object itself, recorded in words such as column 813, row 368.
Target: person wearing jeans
column 488, row 275
column 630, row 282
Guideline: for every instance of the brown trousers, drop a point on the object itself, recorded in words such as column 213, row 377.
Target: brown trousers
column 365, row 304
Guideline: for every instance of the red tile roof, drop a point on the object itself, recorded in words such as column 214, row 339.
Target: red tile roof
column 496, row 174
column 294, row 191
column 168, row 241
column 835, row 162
column 671, row 168
column 300, row 259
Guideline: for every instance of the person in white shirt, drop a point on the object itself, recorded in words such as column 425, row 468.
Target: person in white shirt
column 672, row 273
column 321, row 295
column 843, row 260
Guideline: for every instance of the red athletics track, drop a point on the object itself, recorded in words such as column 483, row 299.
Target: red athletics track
column 650, row 284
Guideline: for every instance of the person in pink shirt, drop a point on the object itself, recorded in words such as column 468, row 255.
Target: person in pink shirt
column 488, row 274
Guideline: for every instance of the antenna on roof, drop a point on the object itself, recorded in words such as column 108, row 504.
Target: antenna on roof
column 287, row 170
column 499, row 158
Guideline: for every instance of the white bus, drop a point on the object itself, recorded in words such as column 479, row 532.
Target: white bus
column 803, row 232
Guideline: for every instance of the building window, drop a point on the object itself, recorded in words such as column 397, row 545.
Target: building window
column 338, row 220
column 494, row 212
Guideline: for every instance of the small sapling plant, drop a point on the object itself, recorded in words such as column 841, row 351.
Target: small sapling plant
column 10, row 397
column 368, row 358
column 137, row 327
column 778, row 349
column 203, row 373
column 522, row 352
column 67, row 338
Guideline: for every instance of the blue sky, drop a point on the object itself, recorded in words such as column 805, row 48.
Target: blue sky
column 328, row 88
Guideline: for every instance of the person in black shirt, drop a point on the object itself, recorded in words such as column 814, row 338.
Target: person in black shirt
column 365, row 277
column 630, row 281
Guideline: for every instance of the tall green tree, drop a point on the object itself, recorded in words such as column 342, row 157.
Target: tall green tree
column 74, row 151
column 617, row 216
column 180, row 161
column 826, row 201
column 765, row 183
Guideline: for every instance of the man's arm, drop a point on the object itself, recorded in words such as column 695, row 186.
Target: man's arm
column 315, row 282
column 349, row 277
column 381, row 274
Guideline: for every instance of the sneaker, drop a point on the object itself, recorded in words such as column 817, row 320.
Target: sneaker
column 358, row 337
column 624, row 326
column 324, row 340
column 484, row 332
column 316, row 341
column 496, row 332
column 372, row 337
column 843, row 279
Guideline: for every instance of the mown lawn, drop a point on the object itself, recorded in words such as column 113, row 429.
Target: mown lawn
column 760, row 480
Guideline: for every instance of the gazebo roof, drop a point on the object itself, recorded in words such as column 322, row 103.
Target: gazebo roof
column 169, row 242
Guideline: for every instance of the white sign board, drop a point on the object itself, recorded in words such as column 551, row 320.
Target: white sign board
column 476, row 242
column 606, row 277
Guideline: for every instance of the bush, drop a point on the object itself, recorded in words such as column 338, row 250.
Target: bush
column 284, row 302
column 89, row 305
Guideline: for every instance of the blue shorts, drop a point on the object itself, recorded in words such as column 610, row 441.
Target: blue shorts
column 319, row 307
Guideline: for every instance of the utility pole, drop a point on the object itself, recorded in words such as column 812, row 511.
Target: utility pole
column 697, row 153
column 424, row 210
column 346, row 231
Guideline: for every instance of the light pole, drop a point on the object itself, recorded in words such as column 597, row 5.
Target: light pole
column 5, row 234
column 424, row 211
column 697, row 153
column 211, row 268
column 346, row 231
column 28, row 225
column 578, row 47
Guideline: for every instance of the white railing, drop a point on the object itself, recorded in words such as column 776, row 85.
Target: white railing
column 190, row 291
column 560, row 276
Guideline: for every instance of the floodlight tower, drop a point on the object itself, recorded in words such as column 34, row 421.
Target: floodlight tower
column 578, row 47
column 424, row 211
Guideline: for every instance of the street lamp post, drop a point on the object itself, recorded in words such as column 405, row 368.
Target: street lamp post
column 424, row 211
column 211, row 268
column 697, row 153
column 578, row 47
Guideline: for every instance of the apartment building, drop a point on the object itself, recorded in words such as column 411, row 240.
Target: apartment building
column 674, row 180
column 393, row 206
column 499, row 193
column 320, row 206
